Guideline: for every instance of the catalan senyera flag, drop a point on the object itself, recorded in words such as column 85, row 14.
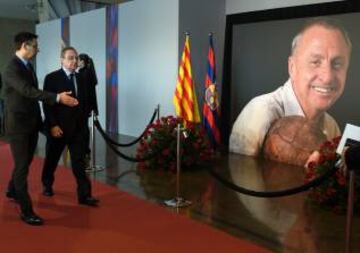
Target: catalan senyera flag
column 185, row 100
column 211, row 119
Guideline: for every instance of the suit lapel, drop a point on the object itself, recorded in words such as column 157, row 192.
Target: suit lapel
column 30, row 73
column 67, row 82
column 33, row 74
column 64, row 80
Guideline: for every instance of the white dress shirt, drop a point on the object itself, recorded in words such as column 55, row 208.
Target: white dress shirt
column 68, row 74
column 251, row 126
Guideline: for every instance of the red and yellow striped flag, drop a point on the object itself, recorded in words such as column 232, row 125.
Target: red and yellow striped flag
column 185, row 100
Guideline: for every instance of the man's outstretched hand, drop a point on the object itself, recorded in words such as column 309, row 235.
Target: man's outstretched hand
column 68, row 100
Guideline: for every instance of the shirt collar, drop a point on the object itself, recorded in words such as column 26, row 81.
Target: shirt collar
column 68, row 72
column 291, row 103
column 22, row 60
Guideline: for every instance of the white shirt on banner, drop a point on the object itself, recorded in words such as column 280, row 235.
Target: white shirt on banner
column 254, row 121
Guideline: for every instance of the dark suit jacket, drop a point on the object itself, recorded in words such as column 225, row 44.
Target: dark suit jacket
column 21, row 95
column 90, row 79
column 70, row 119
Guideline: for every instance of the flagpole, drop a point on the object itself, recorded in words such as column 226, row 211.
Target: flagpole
column 178, row 201
column 186, row 107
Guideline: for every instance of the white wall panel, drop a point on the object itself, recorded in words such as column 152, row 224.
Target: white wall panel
column 87, row 35
column 148, row 60
column 48, row 59
column 148, row 56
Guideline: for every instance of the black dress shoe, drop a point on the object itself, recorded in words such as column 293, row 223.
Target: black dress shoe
column 48, row 192
column 32, row 219
column 11, row 195
column 89, row 201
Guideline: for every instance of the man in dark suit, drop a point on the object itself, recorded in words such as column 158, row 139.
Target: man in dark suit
column 23, row 119
column 67, row 127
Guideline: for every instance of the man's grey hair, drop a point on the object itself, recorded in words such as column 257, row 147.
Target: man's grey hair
column 65, row 49
column 328, row 23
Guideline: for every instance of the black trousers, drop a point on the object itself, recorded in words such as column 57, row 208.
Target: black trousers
column 22, row 150
column 77, row 148
column 87, row 139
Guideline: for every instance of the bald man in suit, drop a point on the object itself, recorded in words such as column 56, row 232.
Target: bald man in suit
column 67, row 127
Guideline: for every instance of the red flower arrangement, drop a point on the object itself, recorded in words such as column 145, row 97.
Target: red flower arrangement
column 331, row 194
column 159, row 143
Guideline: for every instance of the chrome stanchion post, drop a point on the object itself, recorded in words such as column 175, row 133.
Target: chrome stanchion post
column 178, row 201
column 178, row 163
column 93, row 167
column 158, row 111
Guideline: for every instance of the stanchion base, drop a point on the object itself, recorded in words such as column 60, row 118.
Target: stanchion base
column 95, row 168
column 177, row 202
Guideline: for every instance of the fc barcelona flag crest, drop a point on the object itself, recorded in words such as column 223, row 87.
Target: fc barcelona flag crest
column 211, row 97
column 211, row 120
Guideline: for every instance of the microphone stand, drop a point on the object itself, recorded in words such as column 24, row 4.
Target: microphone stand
column 352, row 161
column 350, row 211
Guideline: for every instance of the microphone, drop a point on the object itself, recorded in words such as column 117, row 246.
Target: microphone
column 352, row 157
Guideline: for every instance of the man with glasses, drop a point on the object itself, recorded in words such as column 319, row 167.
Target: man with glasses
column 67, row 127
column 23, row 119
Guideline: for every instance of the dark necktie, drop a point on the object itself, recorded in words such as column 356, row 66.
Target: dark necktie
column 72, row 82
column 31, row 69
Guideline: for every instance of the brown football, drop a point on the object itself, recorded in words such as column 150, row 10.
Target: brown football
column 292, row 139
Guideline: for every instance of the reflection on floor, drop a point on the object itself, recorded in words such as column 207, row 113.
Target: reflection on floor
column 287, row 224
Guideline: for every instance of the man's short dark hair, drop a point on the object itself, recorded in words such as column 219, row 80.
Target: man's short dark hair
column 23, row 37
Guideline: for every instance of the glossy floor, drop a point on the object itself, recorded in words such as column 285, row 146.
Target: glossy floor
column 286, row 224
